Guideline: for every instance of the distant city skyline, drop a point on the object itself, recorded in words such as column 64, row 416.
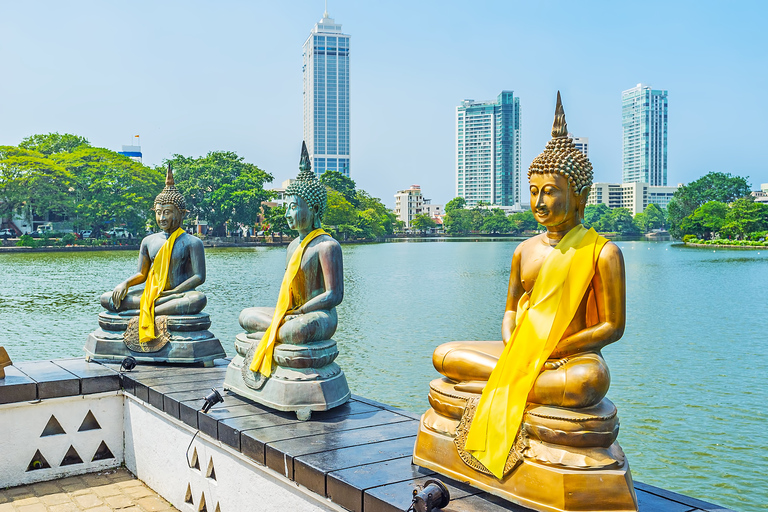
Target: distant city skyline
column 326, row 97
column 207, row 77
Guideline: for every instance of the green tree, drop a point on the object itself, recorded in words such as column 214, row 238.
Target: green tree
column 745, row 217
column 458, row 221
column 221, row 188
column 715, row 186
column 523, row 221
column 341, row 184
column 422, row 222
column 33, row 183
column 622, row 221
column 457, row 203
column 593, row 213
column 386, row 218
column 708, row 218
column 497, row 222
column 655, row 216
column 52, row 143
column 110, row 189
column 275, row 221
column 340, row 214
column 641, row 222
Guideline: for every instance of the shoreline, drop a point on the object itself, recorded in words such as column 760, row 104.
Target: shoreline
column 718, row 246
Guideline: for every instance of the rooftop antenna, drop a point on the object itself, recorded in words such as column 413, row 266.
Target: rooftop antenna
column 325, row 14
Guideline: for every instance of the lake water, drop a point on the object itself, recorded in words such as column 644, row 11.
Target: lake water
column 689, row 376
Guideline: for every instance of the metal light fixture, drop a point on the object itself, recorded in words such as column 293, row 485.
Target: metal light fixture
column 128, row 364
column 433, row 496
column 211, row 399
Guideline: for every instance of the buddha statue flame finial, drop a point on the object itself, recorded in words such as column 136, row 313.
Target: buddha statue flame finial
column 561, row 155
column 170, row 194
column 307, row 186
column 559, row 127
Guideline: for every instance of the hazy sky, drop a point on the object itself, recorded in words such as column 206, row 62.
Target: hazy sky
column 193, row 76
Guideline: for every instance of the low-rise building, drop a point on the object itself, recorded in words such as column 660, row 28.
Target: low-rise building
column 633, row 196
column 761, row 196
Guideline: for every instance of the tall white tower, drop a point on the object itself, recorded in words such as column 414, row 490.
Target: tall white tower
column 326, row 97
column 644, row 120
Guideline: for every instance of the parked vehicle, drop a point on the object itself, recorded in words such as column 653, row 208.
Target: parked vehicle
column 7, row 233
column 86, row 234
column 45, row 228
column 119, row 233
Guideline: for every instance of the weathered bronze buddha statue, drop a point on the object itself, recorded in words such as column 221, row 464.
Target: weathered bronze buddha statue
column 162, row 322
column 526, row 418
column 285, row 357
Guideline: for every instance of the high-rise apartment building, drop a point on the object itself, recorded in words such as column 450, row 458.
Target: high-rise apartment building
column 644, row 119
column 581, row 143
column 326, row 97
column 488, row 151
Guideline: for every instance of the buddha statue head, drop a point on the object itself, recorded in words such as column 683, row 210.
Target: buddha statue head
column 306, row 198
column 170, row 207
column 560, row 178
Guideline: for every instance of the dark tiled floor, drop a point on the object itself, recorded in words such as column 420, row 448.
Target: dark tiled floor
column 358, row 455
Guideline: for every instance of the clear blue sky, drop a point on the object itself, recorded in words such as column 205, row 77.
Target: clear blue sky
column 195, row 76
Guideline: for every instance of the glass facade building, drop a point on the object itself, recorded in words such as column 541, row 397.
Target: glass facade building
column 488, row 151
column 326, row 97
column 644, row 119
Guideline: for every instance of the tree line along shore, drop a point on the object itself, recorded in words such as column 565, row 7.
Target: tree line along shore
column 62, row 176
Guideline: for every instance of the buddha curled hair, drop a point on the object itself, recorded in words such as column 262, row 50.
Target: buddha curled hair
column 561, row 155
column 307, row 186
column 170, row 194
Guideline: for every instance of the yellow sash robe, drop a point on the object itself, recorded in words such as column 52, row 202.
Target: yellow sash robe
column 541, row 321
column 156, row 283
column 262, row 359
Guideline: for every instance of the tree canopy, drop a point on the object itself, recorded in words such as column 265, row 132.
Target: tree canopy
column 714, row 186
column 220, row 188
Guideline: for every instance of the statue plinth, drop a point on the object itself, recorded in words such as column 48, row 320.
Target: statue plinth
column 185, row 340
column 304, row 377
column 588, row 472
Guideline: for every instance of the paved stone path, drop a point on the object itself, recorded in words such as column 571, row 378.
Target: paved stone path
column 115, row 489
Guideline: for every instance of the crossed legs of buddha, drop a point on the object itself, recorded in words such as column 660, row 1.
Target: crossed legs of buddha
column 295, row 329
column 187, row 303
column 574, row 382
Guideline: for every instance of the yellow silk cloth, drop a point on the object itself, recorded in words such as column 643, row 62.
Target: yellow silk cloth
column 541, row 320
column 262, row 359
column 156, row 282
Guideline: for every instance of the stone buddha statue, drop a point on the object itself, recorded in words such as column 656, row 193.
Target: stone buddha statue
column 526, row 417
column 285, row 357
column 162, row 321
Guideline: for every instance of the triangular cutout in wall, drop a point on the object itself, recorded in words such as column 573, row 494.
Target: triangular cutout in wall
column 194, row 463
column 202, row 507
column 102, row 453
column 210, row 472
column 188, row 495
column 52, row 428
column 38, row 462
column 89, row 423
column 71, row 457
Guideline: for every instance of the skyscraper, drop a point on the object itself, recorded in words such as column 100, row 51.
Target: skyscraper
column 326, row 97
column 488, row 151
column 644, row 119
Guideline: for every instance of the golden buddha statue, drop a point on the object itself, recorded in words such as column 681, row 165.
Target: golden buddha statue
column 526, row 417
column 5, row 360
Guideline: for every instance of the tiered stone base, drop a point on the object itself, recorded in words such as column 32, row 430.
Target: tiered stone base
column 304, row 377
column 590, row 474
column 190, row 341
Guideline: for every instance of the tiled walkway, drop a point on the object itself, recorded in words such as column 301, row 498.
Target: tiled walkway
column 115, row 489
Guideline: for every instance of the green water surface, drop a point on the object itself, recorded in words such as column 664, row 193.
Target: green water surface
column 689, row 375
